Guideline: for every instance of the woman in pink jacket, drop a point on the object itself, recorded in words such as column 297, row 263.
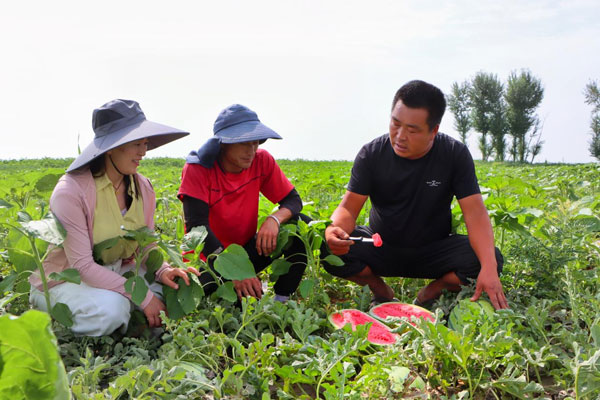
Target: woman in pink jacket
column 101, row 194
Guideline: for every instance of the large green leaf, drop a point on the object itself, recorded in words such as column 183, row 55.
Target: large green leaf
column 227, row 292
column 234, row 264
column 62, row 313
column 306, row 287
column 189, row 295
column 144, row 236
column 194, row 238
column 174, row 255
column 67, row 275
column 136, row 286
column 6, row 285
column 5, row 204
column 19, row 252
column 47, row 182
column 334, row 260
column 174, row 309
column 103, row 245
column 48, row 229
column 153, row 263
column 279, row 267
column 32, row 368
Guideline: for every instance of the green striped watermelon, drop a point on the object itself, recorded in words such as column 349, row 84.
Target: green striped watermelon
column 401, row 310
column 378, row 333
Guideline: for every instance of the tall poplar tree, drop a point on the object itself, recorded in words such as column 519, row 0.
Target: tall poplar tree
column 487, row 114
column 592, row 97
column 460, row 105
column 524, row 93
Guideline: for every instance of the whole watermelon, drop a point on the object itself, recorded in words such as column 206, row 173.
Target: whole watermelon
column 469, row 312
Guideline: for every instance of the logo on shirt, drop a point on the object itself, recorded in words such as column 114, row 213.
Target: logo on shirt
column 433, row 183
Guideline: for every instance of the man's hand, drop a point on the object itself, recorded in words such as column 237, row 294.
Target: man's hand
column 167, row 277
column 489, row 282
column 248, row 287
column 152, row 312
column 266, row 238
column 337, row 240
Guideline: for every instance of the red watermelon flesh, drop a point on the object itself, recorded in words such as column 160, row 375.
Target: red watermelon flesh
column 378, row 333
column 401, row 310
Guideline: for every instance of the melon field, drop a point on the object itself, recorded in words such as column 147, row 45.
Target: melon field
column 546, row 222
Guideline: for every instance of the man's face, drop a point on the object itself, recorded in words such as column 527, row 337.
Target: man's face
column 410, row 135
column 236, row 157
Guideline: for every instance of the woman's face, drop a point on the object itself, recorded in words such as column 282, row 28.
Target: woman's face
column 237, row 157
column 128, row 156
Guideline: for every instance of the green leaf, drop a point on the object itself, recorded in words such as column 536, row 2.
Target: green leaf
column 398, row 377
column 47, row 182
column 306, row 287
column 334, row 260
column 5, row 204
column 282, row 240
column 174, row 309
column 62, row 313
column 595, row 332
column 174, row 255
column 144, row 236
column 227, row 292
column 19, row 252
column 194, row 238
column 67, row 275
column 137, row 288
column 7, row 283
column 187, row 296
column 153, row 262
column 279, row 267
column 47, row 229
column 234, row 264
column 33, row 368
column 103, row 245
column 23, row 216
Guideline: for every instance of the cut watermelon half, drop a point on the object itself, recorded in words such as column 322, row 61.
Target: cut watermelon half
column 378, row 333
column 401, row 310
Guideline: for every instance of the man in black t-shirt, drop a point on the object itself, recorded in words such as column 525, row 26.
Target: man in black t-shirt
column 411, row 176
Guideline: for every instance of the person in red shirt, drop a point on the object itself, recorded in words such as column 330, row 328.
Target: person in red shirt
column 220, row 188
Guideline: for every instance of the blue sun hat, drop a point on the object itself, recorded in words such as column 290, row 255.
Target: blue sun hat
column 119, row 122
column 235, row 124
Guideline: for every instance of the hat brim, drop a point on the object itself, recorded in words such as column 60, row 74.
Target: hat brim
column 157, row 135
column 248, row 131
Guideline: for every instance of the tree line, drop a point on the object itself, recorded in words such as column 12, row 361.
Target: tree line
column 504, row 115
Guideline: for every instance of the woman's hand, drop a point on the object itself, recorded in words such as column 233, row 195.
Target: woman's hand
column 152, row 312
column 169, row 274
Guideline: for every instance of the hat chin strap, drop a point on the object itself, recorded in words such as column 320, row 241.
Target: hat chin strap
column 114, row 165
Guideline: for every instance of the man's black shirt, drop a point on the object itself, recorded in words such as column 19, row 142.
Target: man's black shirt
column 411, row 198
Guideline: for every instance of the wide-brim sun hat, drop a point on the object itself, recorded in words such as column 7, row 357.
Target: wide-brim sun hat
column 235, row 124
column 119, row 122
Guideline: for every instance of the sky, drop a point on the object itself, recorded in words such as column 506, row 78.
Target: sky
column 320, row 73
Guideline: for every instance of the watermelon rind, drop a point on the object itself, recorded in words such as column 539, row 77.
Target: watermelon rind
column 379, row 334
column 467, row 311
column 385, row 311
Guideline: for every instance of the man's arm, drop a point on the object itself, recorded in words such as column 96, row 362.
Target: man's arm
column 481, row 238
column 343, row 221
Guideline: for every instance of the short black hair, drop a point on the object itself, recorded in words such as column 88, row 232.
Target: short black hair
column 420, row 94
